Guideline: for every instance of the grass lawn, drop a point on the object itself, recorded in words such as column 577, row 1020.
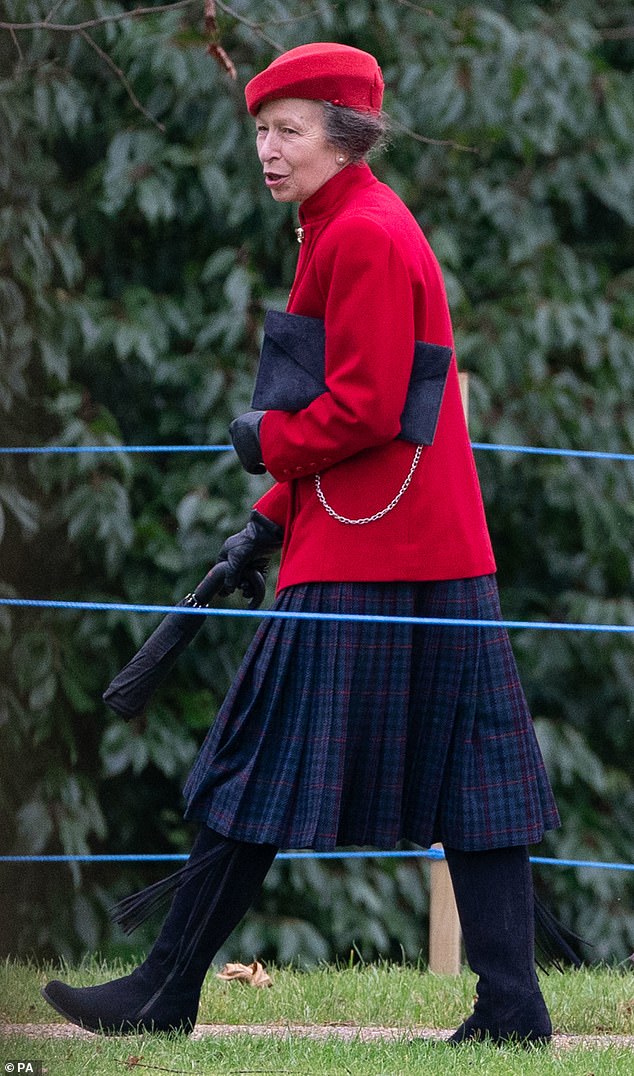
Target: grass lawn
column 598, row 1001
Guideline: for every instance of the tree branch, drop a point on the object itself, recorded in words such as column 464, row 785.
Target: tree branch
column 122, row 79
column 102, row 20
column 54, row 8
column 14, row 38
column 214, row 48
column 432, row 141
column 427, row 12
column 254, row 26
column 137, row 12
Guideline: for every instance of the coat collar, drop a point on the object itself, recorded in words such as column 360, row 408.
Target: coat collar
column 333, row 194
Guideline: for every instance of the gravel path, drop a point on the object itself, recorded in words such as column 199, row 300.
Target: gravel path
column 344, row 1032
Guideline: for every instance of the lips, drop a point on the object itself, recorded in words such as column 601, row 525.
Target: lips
column 273, row 179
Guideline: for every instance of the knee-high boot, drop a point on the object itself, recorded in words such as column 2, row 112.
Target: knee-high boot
column 494, row 895
column 221, row 880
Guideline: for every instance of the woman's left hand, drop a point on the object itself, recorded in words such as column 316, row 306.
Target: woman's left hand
column 245, row 434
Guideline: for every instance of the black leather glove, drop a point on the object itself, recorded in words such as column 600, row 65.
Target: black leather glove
column 250, row 548
column 245, row 434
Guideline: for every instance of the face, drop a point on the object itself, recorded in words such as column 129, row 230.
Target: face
column 294, row 154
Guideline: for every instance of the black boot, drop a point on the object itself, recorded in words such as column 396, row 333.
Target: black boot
column 494, row 895
column 215, row 889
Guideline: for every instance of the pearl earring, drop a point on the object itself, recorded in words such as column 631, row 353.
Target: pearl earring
column 340, row 160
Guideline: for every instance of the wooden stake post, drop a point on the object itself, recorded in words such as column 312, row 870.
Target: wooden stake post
column 444, row 926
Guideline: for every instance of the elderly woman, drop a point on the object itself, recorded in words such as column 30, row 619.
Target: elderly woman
column 341, row 732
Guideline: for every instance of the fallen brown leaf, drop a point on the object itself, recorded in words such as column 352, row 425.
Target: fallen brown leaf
column 251, row 974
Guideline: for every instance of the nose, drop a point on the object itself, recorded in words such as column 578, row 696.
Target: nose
column 268, row 147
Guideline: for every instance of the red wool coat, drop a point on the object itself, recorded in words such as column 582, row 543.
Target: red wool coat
column 366, row 268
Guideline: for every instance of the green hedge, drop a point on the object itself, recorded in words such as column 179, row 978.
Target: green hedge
column 136, row 263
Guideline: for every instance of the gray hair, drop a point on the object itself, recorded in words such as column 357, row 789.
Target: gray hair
column 354, row 133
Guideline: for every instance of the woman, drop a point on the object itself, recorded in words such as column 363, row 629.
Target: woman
column 340, row 732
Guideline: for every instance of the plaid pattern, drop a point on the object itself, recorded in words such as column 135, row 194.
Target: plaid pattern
column 340, row 733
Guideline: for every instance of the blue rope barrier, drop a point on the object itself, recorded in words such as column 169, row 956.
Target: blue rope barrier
column 428, row 853
column 70, row 449
column 573, row 453
column 480, row 446
column 278, row 614
column 592, row 863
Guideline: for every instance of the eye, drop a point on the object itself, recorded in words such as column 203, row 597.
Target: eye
column 288, row 130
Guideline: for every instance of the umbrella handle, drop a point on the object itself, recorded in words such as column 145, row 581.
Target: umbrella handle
column 211, row 585
column 255, row 586
column 214, row 583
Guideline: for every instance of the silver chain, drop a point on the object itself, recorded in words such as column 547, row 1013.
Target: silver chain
column 377, row 515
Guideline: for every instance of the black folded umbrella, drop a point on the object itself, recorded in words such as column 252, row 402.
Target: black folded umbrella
column 132, row 688
column 291, row 373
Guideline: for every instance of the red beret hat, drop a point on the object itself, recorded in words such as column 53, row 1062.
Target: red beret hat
column 323, row 71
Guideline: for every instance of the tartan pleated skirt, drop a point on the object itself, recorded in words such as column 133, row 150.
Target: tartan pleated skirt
column 360, row 733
